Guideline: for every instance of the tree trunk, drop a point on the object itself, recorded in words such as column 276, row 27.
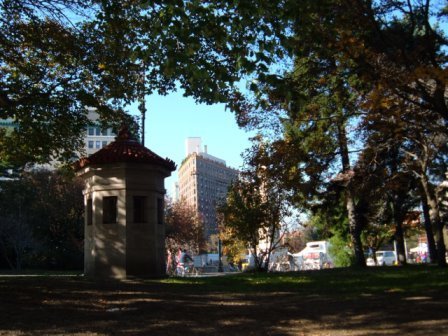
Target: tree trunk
column 399, row 235
column 355, row 230
column 397, row 197
column 354, row 224
column 275, row 224
column 256, row 255
column 399, row 238
column 5, row 255
column 18, row 254
column 434, row 215
column 432, row 250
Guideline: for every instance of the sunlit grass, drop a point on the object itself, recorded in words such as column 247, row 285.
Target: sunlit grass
column 332, row 282
column 342, row 281
column 368, row 302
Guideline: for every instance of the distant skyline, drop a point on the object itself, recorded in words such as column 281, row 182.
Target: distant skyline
column 171, row 119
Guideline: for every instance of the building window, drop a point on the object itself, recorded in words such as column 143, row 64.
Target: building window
column 104, row 144
column 90, row 144
column 110, row 210
column 97, row 144
column 160, row 211
column 139, row 209
column 97, row 131
column 89, row 211
column 91, row 130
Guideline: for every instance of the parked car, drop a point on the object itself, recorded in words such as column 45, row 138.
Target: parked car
column 385, row 258
column 370, row 261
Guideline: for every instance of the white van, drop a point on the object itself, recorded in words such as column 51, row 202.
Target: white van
column 387, row 258
column 314, row 256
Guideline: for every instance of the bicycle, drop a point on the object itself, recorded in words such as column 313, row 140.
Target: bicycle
column 186, row 269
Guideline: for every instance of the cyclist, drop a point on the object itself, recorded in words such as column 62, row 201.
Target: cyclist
column 184, row 260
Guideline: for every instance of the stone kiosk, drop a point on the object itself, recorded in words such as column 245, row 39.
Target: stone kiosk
column 124, row 233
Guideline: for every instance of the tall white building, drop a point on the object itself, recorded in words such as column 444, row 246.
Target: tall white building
column 96, row 137
column 203, row 182
column 192, row 145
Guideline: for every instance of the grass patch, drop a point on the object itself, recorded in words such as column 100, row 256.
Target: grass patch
column 39, row 272
column 340, row 281
column 333, row 282
column 339, row 302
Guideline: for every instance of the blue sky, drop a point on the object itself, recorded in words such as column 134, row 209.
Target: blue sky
column 173, row 118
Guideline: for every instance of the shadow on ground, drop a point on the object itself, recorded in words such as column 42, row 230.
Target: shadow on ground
column 76, row 306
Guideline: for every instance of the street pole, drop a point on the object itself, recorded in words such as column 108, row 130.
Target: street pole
column 142, row 102
column 143, row 112
column 220, row 269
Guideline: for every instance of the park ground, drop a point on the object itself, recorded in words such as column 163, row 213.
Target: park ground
column 377, row 301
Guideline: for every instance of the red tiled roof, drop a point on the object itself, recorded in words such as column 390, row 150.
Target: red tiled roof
column 125, row 149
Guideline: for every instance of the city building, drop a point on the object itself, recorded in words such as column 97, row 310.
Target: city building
column 203, row 182
column 96, row 137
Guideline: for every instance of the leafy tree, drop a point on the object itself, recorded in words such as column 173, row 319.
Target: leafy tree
column 40, row 67
column 343, row 255
column 42, row 220
column 390, row 191
column 352, row 61
column 58, row 58
column 329, row 220
column 233, row 248
column 212, row 244
column 184, row 229
column 378, row 57
column 402, row 50
column 424, row 152
column 360, row 57
column 397, row 48
column 58, row 218
column 16, row 235
column 107, row 54
column 412, row 142
column 244, row 216
column 294, row 240
column 255, row 207
column 319, row 104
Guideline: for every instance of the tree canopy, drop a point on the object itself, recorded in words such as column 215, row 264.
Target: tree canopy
column 59, row 57
column 328, row 74
column 368, row 80
column 41, row 221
